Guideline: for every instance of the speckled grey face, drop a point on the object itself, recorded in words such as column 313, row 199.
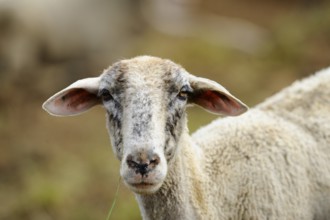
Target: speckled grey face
column 145, row 100
column 145, row 118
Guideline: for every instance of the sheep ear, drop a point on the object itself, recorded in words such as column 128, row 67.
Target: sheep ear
column 214, row 97
column 75, row 99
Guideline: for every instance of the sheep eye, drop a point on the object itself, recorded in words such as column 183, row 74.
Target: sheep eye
column 184, row 92
column 105, row 95
column 183, row 95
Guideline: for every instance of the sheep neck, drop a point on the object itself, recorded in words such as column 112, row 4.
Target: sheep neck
column 176, row 198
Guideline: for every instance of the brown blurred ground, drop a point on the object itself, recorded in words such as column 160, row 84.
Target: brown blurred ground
column 63, row 168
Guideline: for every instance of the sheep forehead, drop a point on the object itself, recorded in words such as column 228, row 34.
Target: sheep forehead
column 146, row 73
column 151, row 70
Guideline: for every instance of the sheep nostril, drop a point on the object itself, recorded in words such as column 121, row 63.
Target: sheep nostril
column 155, row 161
column 130, row 162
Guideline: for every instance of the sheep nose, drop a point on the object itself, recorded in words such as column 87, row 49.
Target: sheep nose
column 142, row 163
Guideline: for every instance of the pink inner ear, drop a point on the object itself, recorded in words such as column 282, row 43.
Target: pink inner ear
column 76, row 101
column 217, row 103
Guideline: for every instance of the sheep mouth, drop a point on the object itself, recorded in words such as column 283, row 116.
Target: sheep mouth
column 144, row 187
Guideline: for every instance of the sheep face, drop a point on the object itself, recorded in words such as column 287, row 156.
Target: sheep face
column 145, row 100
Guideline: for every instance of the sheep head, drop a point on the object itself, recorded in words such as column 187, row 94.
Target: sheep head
column 145, row 100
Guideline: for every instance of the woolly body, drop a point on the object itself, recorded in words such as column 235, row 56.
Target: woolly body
column 273, row 161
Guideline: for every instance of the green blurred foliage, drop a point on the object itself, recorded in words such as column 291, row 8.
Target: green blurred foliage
column 63, row 168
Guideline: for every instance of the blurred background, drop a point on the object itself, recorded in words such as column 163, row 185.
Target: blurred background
column 64, row 168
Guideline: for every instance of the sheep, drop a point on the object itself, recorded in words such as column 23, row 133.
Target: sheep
column 272, row 162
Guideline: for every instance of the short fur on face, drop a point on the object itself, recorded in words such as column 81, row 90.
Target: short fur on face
column 151, row 112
